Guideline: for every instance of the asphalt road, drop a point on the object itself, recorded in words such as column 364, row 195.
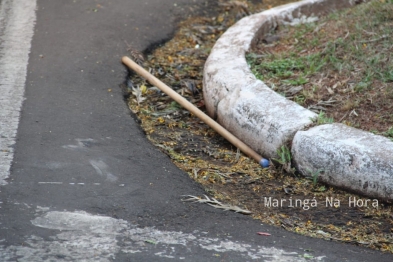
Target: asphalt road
column 85, row 184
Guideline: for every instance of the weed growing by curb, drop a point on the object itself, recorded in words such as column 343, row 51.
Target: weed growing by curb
column 389, row 133
column 314, row 176
column 285, row 159
column 323, row 119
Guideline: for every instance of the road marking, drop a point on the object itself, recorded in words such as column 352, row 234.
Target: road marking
column 61, row 183
column 102, row 169
column 17, row 20
column 50, row 183
column 81, row 143
column 86, row 237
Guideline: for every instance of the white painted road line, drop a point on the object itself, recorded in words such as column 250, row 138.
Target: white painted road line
column 85, row 237
column 17, row 20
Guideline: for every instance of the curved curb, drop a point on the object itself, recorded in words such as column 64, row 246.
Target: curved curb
column 343, row 156
column 346, row 157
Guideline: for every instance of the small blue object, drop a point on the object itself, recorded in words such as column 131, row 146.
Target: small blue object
column 264, row 162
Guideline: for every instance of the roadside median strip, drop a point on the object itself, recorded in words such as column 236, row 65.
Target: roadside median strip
column 349, row 158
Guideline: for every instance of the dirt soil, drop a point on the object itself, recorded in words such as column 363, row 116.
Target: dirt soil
column 226, row 174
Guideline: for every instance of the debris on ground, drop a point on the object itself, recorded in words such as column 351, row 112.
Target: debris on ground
column 217, row 204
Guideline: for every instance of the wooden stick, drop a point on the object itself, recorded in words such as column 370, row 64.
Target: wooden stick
column 194, row 110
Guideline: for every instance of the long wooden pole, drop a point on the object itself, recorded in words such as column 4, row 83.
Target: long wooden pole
column 194, row 110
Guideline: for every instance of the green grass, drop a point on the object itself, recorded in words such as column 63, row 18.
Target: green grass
column 351, row 48
column 323, row 119
column 314, row 176
column 389, row 133
column 285, row 158
column 339, row 55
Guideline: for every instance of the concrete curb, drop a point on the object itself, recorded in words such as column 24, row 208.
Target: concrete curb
column 346, row 157
column 265, row 120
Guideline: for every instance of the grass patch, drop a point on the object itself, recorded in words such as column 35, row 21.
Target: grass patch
column 343, row 58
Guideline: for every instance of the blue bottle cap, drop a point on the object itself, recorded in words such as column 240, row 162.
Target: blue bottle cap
column 264, row 163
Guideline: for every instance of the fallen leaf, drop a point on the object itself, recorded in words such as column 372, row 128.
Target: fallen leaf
column 263, row 234
column 143, row 89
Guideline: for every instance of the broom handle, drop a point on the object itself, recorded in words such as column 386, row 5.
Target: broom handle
column 194, row 110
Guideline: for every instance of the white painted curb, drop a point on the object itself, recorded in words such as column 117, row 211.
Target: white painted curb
column 244, row 105
column 346, row 157
column 265, row 120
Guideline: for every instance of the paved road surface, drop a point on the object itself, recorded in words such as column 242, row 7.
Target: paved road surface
column 85, row 184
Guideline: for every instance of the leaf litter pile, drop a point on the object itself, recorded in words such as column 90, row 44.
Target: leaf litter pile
column 235, row 181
